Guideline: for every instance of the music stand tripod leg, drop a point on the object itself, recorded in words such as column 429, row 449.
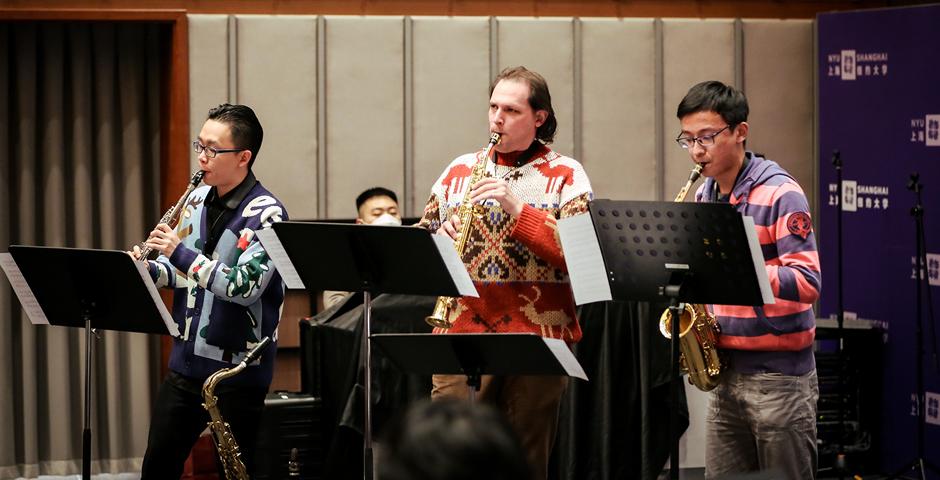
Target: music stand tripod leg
column 367, row 422
column 675, row 379
column 86, row 432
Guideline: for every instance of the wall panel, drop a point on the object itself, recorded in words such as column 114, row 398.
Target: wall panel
column 282, row 90
column 778, row 82
column 693, row 51
column 618, row 95
column 545, row 45
column 364, row 108
column 451, row 76
column 401, row 97
column 208, row 70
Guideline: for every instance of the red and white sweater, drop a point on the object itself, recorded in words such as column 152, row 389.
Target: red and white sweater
column 516, row 265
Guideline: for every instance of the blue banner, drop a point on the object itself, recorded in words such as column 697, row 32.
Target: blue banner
column 879, row 105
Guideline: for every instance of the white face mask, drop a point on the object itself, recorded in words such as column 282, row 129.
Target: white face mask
column 386, row 219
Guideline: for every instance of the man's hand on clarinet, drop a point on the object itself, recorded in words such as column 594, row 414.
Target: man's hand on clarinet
column 134, row 252
column 163, row 239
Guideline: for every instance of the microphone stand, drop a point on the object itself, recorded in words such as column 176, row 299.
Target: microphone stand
column 840, row 460
column 920, row 464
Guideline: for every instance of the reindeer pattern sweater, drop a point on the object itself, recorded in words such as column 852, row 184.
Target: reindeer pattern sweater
column 517, row 265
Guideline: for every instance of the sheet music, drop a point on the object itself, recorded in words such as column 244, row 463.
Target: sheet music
column 458, row 272
column 767, row 294
column 278, row 255
column 561, row 351
column 23, row 292
column 586, row 268
column 171, row 326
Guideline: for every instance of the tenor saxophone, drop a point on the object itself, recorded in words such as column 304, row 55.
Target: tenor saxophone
column 172, row 214
column 698, row 329
column 225, row 443
column 466, row 212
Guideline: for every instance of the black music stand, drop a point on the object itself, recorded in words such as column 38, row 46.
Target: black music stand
column 647, row 251
column 477, row 354
column 372, row 259
column 55, row 287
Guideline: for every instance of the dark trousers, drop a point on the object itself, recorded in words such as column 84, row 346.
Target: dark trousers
column 178, row 419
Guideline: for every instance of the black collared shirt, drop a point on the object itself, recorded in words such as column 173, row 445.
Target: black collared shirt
column 220, row 210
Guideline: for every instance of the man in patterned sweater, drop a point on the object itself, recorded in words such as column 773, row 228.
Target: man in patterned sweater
column 763, row 413
column 513, row 253
column 227, row 295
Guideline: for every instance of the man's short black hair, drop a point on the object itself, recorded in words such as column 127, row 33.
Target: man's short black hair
column 242, row 121
column 714, row 96
column 374, row 192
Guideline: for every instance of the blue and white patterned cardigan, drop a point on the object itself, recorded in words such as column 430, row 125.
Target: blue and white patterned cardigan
column 227, row 303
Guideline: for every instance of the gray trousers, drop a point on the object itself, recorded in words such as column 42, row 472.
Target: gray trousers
column 760, row 422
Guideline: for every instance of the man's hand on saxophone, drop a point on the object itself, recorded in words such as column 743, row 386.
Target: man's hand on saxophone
column 496, row 189
column 163, row 239
column 488, row 188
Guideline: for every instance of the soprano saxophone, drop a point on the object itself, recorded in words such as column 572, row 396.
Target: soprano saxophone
column 172, row 215
column 698, row 329
column 222, row 435
column 466, row 212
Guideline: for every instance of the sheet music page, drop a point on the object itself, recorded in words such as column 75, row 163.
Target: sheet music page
column 758, row 257
column 565, row 357
column 23, row 292
column 278, row 255
column 586, row 268
column 171, row 326
column 458, row 272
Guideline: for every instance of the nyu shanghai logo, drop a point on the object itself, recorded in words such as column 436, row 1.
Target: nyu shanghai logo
column 850, row 65
column 857, row 197
column 926, row 130
column 931, row 270
column 933, row 408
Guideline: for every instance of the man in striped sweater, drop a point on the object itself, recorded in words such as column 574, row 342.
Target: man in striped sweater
column 763, row 414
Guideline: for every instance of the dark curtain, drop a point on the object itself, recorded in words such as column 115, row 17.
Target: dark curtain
column 615, row 426
column 79, row 141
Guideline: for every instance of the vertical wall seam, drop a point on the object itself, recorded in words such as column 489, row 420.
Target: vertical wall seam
column 494, row 47
column 577, row 98
column 321, row 117
column 408, row 111
column 739, row 54
column 659, row 99
column 232, row 59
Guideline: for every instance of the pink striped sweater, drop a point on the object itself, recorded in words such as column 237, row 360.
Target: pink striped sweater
column 778, row 337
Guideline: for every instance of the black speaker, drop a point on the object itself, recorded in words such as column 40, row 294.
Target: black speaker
column 290, row 421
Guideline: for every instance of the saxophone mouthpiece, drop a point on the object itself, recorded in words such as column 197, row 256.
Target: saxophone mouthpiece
column 696, row 172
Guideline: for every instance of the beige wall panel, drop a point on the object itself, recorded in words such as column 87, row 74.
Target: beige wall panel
column 618, row 132
column 208, row 71
column 778, row 82
column 364, row 108
column 451, row 76
column 545, row 45
column 277, row 71
column 693, row 51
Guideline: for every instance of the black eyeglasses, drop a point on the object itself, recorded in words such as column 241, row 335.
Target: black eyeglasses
column 704, row 140
column 211, row 152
